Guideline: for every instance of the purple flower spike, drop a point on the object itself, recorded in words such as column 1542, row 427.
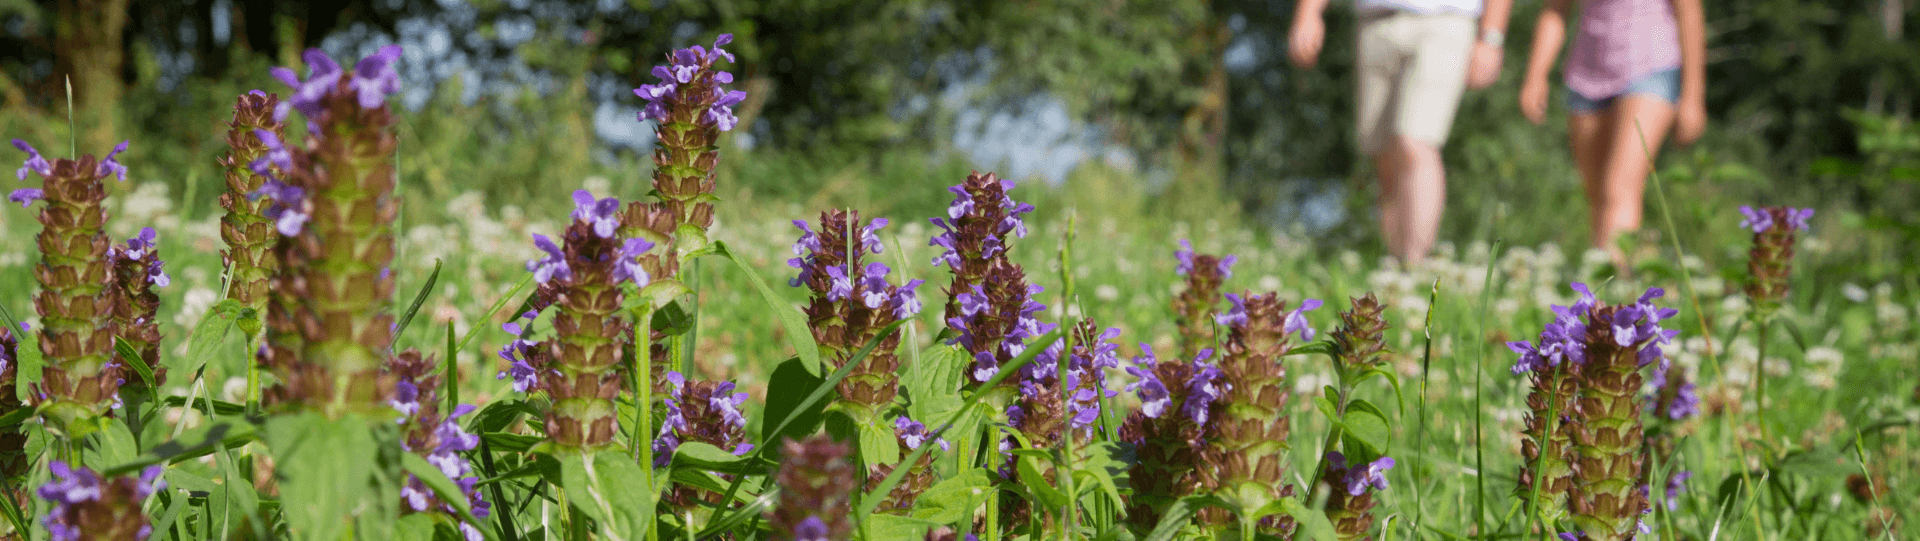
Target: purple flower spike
column 1236, row 315
column 35, row 162
column 1184, row 256
column 1297, row 320
column 1797, row 218
column 629, row 268
column 1756, row 220
column 110, row 165
column 374, row 77
column 811, row 529
column 1375, row 475
column 322, row 77
column 553, row 265
column 905, row 301
column 26, row 196
column 277, row 152
column 604, row 213
column 289, row 205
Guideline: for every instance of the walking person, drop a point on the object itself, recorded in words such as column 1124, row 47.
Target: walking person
column 1637, row 69
column 1416, row 57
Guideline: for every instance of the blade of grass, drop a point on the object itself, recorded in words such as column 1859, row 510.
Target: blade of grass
column 791, row 322
column 1420, row 429
column 495, row 309
column 1479, row 382
column 418, row 299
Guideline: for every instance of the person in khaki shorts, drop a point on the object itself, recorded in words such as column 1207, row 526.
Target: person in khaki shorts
column 1415, row 59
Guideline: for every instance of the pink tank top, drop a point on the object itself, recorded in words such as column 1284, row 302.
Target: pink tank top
column 1620, row 41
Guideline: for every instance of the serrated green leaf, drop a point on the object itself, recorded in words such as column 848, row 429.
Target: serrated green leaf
column 513, row 443
column 703, row 456
column 878, row 445
column 792, row 323
column 414, row 527
column 933, row 381
column 1322, row 347
column 112, row 444
column 208, row 334
column 1101, row 464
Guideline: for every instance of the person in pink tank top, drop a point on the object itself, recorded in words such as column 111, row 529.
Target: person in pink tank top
column 1637, row 69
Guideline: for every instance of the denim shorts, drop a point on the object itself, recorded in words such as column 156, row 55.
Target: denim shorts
column 1663, row 84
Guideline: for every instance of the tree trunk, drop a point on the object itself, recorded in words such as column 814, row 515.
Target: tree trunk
column 89, row 49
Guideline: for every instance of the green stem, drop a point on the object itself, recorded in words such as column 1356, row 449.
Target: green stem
column 1760, row 386
column 1063, row 464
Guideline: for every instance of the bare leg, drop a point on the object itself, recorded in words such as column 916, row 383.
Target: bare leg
column 1637, row 125
column 1412, row 195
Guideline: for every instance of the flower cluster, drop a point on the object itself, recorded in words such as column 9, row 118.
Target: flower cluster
column 1586, row 371
column 703, row 411
column 1176, row 400
column 816, row 491
column 852, row 302
column 1771, row 259
column 332, row 202
column 75, row 301
column 248, row 232
column 1247, row 443
column 1361, row 337
column 690, row 109
column 579, row 367
column 1195, row 308
column 910, row 435
column 136, row 269
column 86, row 506
column 1350, row 505
column 437, row 439
column 973, row 236
column 1040, row 409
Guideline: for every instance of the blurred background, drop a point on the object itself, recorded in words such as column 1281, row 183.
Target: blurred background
column 1164, row 110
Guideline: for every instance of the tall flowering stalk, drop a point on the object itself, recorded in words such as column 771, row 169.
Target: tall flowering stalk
column 1247, row 442
column 87, row 507
column 1769, row 263
column 1052, row 413
column 137, row 270
column 1194, row 309
column 329, row 323
column 1167, row 431
column 249, row 234
column 438, row 439
column 973, row 238
column 579, row 368
column 852, row 302
column 690, row 109
column 75, row 301
column 1602, row 348
column 1358, row 344
column 816, row 491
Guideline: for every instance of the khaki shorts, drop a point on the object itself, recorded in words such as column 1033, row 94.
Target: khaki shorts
column 1413, row 68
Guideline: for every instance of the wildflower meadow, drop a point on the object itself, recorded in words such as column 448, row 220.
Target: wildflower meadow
column 307, row 362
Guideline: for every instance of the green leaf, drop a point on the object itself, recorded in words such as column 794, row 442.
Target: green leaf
column 878, row 445
column 193, row 443
column 789, row 385
column 132, row 358
column 933, row 381
column 112, row 444
column 495, row 309
column 325, row 471
column 610, row 490
column 1313, row 524
column 513, row 443
column 499, row 415
column 1180, row 515
column 1101, row 463
column 1366, row 425
column 1325, row 405
column 954, row 499
column 209, row 333
column 703, row 456
column 792, row 322
column 414, row 527
column 1322, row 347
column 881, row 527
column 418, row 300
column 672, row 320
column 1048, row 498
column 658, row 294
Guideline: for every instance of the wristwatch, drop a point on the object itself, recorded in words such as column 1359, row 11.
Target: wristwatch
column 1493, row 37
